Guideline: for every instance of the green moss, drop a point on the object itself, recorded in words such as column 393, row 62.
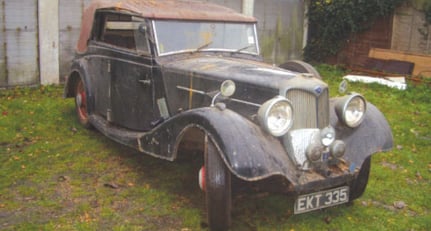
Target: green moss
column 331, row 23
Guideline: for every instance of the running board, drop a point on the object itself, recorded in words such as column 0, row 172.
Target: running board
column 121, row 135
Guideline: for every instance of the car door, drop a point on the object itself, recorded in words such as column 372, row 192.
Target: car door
column 130, row 64
column 98, row 78
column 131, row 92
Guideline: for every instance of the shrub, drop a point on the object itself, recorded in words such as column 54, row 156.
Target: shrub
column 331, row 22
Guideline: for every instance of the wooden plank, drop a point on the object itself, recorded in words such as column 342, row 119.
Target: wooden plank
column 422, row 62
column 390, row 66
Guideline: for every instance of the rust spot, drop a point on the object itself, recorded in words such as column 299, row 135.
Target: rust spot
column 207, row 66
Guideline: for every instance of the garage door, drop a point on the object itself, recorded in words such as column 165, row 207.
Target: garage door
column 18, row 36
column 70, row 13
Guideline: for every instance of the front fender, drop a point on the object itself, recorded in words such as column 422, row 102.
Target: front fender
column 248, row 152
column 373, row 135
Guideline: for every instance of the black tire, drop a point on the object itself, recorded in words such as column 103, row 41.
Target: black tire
column 360, row 184
column 301, row 67
column 218, row 189
column 81, row 105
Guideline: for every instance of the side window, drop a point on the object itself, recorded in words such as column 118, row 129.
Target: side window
column 141, row 39
column 123, row 31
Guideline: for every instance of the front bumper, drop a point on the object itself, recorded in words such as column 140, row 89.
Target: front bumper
column 333, row 176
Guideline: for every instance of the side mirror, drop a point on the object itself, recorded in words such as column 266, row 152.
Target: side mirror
column 342, row 88
column 142, row 28
column 227, row 88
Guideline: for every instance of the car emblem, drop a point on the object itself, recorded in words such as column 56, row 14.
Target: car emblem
column 318, row 89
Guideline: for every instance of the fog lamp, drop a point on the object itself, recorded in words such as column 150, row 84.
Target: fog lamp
column 314, row 152
column 338, row 148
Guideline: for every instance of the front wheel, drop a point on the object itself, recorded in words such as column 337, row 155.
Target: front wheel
column 360, row 183
column 218, row 191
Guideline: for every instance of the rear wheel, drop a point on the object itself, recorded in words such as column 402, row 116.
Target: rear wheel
column 301, row 67
column 360, row 184
column 81, row 103
column 217, row 187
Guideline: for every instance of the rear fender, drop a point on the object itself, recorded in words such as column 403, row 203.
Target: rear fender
column 78, row 71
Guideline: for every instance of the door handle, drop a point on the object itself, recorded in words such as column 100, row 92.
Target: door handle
column 145, row 82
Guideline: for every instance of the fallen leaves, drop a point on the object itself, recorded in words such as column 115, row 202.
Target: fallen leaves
column 63, row 178
column 390, row 165
column 395, row 206
column 418, row 175
column 111, row 185
column 400, row 204
column 327, row 220
column 73, row 130
column 86, row 218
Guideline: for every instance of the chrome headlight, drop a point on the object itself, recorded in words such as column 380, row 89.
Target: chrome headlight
column 276, row 116
column 351, row 110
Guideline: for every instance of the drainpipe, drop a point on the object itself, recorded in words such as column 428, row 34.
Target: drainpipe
column 248, row 7
column 48, row 42
column 305, row 35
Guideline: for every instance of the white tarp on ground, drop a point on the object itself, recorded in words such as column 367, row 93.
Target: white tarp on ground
column 393, row 82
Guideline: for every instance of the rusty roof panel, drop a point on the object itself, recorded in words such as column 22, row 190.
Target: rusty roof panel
column 181, row 9
column 160, row 9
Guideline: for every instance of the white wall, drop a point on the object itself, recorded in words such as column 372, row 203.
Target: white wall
column 409, row 31
column 19, row 54
column 48, row 42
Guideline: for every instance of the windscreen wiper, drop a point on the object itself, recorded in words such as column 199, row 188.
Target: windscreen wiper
column 243, row 48
column 205, row 45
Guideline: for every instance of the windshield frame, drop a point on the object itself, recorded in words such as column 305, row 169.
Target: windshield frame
column 204, row 47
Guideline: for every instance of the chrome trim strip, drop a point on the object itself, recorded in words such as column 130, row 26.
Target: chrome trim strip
column 204, row 93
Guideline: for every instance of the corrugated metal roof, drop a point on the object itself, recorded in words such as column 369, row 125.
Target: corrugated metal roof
column 160, row 9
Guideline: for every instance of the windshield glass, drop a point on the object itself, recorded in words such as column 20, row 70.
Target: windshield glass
column 189, row 36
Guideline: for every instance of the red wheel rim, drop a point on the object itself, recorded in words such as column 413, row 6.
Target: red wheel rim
column 81, row 101
column 201, row 177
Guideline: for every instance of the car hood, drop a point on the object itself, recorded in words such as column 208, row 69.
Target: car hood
column 238, row 70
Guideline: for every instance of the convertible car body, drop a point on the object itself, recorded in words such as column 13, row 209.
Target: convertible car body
column 154, row 75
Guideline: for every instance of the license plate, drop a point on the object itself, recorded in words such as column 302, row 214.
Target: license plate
column 320, row 200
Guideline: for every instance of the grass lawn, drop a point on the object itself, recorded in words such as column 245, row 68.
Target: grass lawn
column 56, row 175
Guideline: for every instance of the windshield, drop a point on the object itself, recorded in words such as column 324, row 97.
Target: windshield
column 188, row 36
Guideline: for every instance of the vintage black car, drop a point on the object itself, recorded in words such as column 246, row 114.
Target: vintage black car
column 161, row 75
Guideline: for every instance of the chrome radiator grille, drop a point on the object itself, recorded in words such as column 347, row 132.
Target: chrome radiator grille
column 310, row 111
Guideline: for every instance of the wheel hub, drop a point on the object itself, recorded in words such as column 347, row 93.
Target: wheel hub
column 201, row 174
column 79, row 99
